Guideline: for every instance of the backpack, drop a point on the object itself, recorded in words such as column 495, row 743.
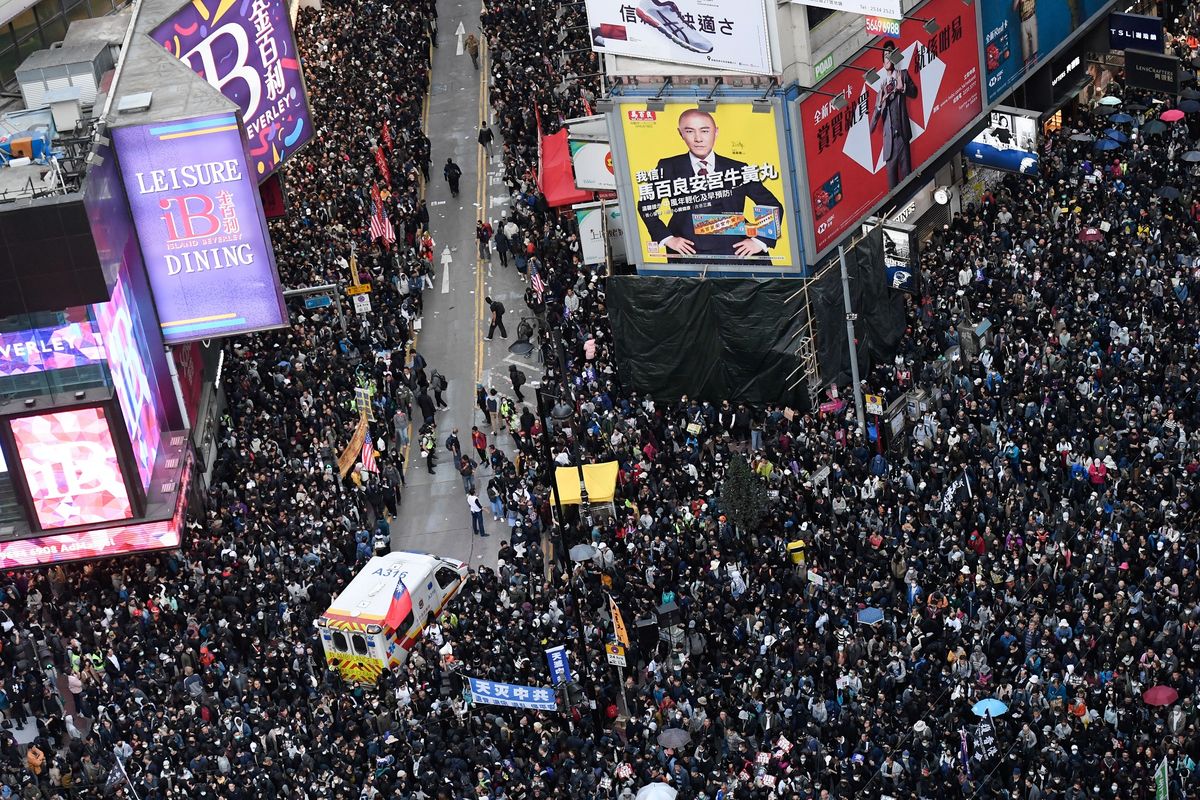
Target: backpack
column 439, row 381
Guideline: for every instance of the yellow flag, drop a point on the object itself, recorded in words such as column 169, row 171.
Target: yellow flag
column 618, row 622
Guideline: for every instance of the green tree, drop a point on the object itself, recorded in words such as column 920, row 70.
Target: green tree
column 743, row 496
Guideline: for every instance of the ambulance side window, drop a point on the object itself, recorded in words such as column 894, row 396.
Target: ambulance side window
column 447, row 577
column 339, row 642
column 360, row 644
column 406, row 625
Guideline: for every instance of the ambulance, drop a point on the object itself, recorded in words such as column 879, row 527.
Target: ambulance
column 375, row 621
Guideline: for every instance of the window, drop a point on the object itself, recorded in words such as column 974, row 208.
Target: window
column 48, row 10
column 447, row 577
column 339, row 642
column 360, row 644
column 99, row 8
column 818, row 15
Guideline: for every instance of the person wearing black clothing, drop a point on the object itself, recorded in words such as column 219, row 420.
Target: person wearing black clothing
column 518, row 380
column 497, row 319
column 452, row 172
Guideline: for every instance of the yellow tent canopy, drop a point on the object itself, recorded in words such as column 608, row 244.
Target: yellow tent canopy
column 601, row 481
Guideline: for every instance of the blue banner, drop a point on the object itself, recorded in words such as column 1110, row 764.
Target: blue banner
column 560, row 668
column 512, row 695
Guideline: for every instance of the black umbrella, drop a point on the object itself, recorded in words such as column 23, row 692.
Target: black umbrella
column 1189, row 94
column 1104, row 111
column 1191, row 156
column 1083, row 137
column 1169, row 192
column 1154, row 126
column 1136, row 106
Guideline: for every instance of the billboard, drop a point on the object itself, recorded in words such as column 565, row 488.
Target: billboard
column 129, row 369
column 1152, row 71
column 71, row 467
column 893, row 124
column 1009, row 143
column 709, row 188
column 877, row 8
column 1019, row 34
column 1135, row 32
column 726, row 35
column 72, row 344
column 202, row 231
column 101, row 543
column 901, row 254
column 596, row 222
column 246, row 51
column 593, row 165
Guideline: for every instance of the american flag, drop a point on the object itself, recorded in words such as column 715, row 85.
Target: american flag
column 381, row 226
column 538, row 286
column 368, row 457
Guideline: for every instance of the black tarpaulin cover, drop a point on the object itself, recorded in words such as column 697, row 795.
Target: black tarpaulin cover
column 880, row 324
column 713, row 339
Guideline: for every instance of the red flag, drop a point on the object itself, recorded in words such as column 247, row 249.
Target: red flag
column 386, row 134
column 384, row 170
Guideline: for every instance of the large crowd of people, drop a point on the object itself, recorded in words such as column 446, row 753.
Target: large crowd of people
column 1024, row 540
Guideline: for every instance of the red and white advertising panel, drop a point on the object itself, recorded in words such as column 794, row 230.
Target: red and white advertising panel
column 891, row 125
column 71, row 467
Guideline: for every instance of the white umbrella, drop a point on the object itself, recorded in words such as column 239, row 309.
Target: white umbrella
column 657, row 791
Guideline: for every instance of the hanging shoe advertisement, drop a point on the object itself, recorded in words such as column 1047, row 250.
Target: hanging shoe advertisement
column 729, row 35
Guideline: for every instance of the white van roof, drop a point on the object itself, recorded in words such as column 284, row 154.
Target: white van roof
column 369, row 598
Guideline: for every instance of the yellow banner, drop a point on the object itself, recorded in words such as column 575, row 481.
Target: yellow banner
column 353, row 450
column 618, row 622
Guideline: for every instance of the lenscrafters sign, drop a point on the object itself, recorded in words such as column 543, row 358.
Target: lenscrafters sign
column 1135, row 32
column 1152, row 71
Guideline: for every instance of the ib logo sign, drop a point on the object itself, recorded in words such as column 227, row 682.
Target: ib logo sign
column 883, row 26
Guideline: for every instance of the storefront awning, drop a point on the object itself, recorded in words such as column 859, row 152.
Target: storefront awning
column 556, row 178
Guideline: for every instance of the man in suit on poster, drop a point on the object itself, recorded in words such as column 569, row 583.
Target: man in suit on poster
column 678, row 237
column 896, row 87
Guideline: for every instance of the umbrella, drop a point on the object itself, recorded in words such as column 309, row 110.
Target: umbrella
column 1159, row 696
column 1120, row 119
column 1135, row 107
column 1189, row 106
column 1190, row 94
column 1110, row 101
column 1169, row 192
column 991, row 705
column 582, row 552
column 870, row 616
column 674, row 737
column 1153, row 127
column 1103, row 111
column 1191, row 156
column 1171, row 115
column 1083, row 137
column 1091, row 235
column 657, row 791
column 1106, row 144
column 1116, row 135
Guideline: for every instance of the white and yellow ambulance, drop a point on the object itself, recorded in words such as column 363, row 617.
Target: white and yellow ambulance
column 375, row 621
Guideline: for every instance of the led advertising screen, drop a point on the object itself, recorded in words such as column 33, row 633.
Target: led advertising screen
column 101, row 543
column 72, row 344
column 709, row 188
column 1019, row 34
column 895, row 119
column 128, row 370
column 1009, row 142
column 728, row 35
column 1135, row 32
column 201, row 227
column 247, row 52
column 71, row 467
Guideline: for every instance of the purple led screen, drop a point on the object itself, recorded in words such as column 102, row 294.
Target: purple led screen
column 245, row 49
column 201, row 227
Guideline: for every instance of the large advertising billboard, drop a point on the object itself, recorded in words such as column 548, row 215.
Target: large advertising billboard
column 878, row 8
column 727, row 35
column 1009, row 142
column 593, row 165
column 129, row 371
column 1019, row 34
column 901, row 110
column 201, row 227
column 71, row 467
column 1135, row 32
column 72, row 344
column 709, row 189
column 247, row 52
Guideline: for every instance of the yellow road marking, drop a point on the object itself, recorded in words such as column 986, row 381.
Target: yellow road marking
column 481, row 215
